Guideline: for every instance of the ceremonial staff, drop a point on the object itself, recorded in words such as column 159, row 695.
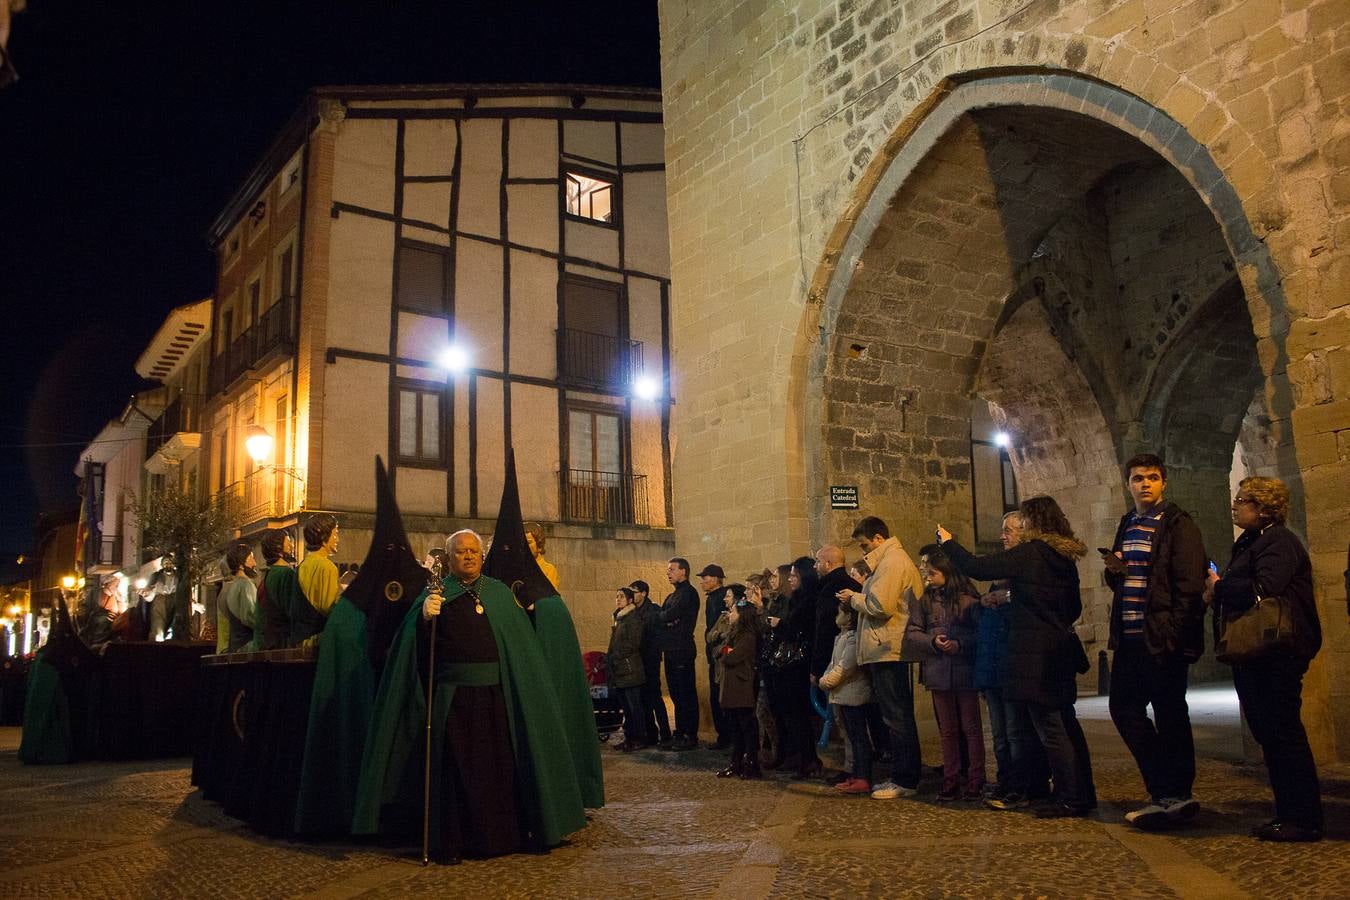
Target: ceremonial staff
column 437, row 575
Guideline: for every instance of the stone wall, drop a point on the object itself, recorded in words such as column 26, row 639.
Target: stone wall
column 792, row 129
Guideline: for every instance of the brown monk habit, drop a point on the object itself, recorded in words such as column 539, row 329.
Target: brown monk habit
column 479, row 810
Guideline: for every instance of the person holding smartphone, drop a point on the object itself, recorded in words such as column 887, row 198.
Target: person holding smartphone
column 1156, row 571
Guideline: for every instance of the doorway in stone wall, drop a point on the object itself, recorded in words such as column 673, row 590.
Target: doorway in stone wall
column 1060, row 269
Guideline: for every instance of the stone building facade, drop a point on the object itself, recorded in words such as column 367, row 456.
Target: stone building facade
column 431, row 274
column 1121, row 226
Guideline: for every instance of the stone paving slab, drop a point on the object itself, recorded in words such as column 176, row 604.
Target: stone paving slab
column 672, row 829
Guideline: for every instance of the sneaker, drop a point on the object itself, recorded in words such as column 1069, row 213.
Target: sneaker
column 948, row 794
column 1181, row 809
column 839, row 778
column 1147, row 816
column 854, row 787
column 1010, row 800
column 887, row 790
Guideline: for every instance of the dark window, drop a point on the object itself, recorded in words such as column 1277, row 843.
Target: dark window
column 286, row 272
column 226, row 329
column 595, row 350
column 600, row 488
column 254, row 301
column 223, row 461
column 420, row 437
column 594, row 441
column 423, row 284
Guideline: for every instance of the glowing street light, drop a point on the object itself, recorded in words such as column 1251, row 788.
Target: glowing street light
column 455, row 359
column 68, row 582
column 1002, row 439
column 259, row 443
column 646, row 388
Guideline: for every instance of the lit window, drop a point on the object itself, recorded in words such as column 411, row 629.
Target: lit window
column 589, row 197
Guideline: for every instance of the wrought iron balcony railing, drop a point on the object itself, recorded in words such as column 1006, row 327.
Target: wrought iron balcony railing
column 182, row 416
column 274, row 330
column 599, row 360
column 611, row 498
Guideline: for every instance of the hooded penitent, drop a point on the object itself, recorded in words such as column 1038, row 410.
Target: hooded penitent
column 511, row 562
column 352, row 652
column 55, row 710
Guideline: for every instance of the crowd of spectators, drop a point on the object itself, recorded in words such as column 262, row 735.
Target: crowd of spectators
column 819, row 642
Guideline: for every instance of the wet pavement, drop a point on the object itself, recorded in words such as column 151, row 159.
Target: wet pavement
column 672, row 829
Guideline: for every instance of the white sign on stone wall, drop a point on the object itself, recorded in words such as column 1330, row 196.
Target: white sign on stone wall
column 843, row 496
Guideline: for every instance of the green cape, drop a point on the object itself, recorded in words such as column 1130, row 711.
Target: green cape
column 47, row 737
column 391, row 767
column 339, row 714
column 558, row 639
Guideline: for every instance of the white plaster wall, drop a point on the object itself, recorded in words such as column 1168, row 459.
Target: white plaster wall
column 459, row 399
column 534, row 149
column 534, row 432
column 643, row 145
column 646, row 244
column 532, row 215
column 645, row 426
column 534, row 315
column 362, row 271
column 363, row 163
column 420, row 491
column 491, row 446
column 355, row 409
column 478, row 302
column 422, row 337
column 593, row 140
column 592, row 242
column 481, row 170
column 644, row 321
column 428, row 146
column 427, row 202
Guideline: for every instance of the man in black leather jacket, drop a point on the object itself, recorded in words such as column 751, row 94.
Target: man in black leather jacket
column 679, row 617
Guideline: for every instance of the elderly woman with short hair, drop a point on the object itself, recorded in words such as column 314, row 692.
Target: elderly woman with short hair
column 1269, row 561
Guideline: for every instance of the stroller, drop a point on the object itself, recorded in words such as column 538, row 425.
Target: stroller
column 608, row 708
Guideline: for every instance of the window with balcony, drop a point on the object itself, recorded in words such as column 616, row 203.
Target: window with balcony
column 421, row 438
column 284, row 272
column 590, row 195
column 423, row 278
column 595, row 351
column 599, row 486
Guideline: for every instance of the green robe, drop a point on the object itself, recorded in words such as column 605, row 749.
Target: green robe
column 339, row 714
column 558, row 639
column 47, row 736
column 392, row 765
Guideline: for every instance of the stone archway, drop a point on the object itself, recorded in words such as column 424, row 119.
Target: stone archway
column 1049, row 244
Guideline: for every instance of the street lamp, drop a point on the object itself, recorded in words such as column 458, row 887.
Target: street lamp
column 454, row 359
column 646, row 388
column 258, row 443
column 68, row 582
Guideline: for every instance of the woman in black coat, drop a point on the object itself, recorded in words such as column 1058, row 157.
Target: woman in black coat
column 1044, row 655
column 787, row 674
column 1269, row 561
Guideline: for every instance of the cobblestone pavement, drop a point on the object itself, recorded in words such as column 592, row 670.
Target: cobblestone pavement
column 672, row 829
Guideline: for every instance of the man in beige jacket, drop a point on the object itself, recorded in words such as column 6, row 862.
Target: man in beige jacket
column 883, row 613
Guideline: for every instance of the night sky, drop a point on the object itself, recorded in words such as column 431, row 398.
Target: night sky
column 133, row 123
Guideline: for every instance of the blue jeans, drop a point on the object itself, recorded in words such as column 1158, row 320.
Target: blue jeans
column 998, row 727
column 895, row 696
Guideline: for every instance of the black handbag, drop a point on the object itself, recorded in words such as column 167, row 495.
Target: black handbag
column 788, row 654
column 1264, row 630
